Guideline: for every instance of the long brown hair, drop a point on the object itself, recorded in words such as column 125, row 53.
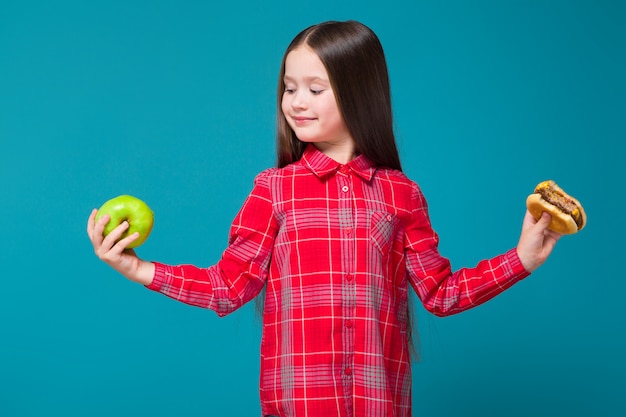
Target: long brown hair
column 355, row 62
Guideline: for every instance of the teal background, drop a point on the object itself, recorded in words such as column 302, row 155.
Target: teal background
column 174, row 102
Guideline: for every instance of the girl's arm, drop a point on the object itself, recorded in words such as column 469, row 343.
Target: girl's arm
column 236, row 278
column 444, row 291
column 243, row 268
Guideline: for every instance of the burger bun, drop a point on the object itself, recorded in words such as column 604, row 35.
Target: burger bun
column 561, row 222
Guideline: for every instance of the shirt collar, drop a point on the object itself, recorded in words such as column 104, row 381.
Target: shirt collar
column 322, row 165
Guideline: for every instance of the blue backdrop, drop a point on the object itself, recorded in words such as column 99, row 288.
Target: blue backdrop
column 175, row 102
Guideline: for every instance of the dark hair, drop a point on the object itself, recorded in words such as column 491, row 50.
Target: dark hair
column 354, row 59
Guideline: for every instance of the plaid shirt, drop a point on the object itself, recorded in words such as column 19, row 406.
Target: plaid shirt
column 337, row 247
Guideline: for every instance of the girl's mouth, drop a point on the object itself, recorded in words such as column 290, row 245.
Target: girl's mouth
column 299, row 120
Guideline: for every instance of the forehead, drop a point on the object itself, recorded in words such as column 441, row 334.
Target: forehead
column 304, row 62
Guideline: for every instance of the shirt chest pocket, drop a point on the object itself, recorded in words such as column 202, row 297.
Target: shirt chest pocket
column 383, row 228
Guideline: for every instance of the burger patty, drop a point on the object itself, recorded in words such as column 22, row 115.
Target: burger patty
column 565, row 204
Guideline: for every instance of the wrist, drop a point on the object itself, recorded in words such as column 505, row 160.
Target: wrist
column 145, row 273
column 528, row 263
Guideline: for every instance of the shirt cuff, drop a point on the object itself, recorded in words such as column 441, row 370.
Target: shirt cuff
column 517, row 269
column 160, row 277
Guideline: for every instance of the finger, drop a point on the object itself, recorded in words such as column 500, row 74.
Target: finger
column 529, row 221
column 552, row 237
column 127, row 241
column 91, row 222
column 115, row 235
column 549, row 242
column 544, row 221
column 97, row 231
column 530, row 217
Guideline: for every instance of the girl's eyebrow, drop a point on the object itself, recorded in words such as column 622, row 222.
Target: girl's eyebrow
column 310, row 78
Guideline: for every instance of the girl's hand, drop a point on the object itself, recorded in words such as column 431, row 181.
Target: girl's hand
column 123, row 260
column 536, row 241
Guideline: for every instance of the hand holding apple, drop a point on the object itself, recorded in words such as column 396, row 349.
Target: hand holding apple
column 122, row 223
column 127, row 208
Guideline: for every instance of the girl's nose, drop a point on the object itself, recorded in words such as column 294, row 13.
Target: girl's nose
column 298, row 102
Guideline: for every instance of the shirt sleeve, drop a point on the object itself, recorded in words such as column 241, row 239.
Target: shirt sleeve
column 443, row 291
column 242, row 270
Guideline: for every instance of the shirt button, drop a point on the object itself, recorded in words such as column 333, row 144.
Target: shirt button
column 349, row 324
column 345, row 188
column 349, row 277
column 348, row 371
column 389, row 217
column 348, row 230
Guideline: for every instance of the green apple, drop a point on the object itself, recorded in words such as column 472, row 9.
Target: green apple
column 122, row 208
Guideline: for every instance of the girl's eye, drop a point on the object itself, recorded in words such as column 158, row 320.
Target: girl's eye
column 289, row 90
column 316, row 92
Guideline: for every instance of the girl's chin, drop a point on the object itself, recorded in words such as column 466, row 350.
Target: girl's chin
column 308, row 139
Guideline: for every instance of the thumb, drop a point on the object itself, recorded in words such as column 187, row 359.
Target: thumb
column 544, row 221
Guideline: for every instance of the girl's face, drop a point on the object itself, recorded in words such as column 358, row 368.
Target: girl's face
column 309, row 103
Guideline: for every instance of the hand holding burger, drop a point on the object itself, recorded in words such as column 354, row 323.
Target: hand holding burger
column 551, row 214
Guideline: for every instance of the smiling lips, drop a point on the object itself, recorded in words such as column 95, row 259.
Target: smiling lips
column 300, row 120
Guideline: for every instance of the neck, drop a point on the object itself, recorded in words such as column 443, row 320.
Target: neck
column 343, row 153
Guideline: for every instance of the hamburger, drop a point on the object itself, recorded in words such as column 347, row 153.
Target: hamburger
column 568, row 215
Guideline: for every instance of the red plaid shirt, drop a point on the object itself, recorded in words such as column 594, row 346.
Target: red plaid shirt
column 337, row 247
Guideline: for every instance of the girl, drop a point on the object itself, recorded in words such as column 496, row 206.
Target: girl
column 336, row 234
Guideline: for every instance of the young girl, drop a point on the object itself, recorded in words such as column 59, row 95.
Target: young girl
column 336, row 234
